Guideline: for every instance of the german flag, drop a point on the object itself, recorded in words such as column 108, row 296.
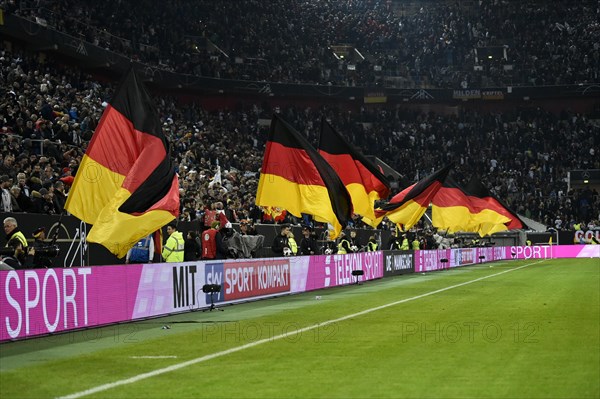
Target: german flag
column 471, row 209
column 477, row 189
column 408, row 206
column 126, row 185
column 296, row 178
column 455, row 208
column 363, row 180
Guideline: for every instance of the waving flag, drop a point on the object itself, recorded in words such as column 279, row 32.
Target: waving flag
column 296, row 178
column 471, row 209
column 363, row 180
column 408, row 206
column 126, row 185
column 494, row 206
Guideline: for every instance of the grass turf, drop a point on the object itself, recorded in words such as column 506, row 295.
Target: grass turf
column 531, row 332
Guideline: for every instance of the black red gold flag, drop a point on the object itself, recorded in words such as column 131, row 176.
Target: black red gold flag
column 364, row 181
column 296, row 178
column 126, row 185
column 476, row 188
column 408, row 206
column 455, row 209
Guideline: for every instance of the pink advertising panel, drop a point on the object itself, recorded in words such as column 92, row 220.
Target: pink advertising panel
column 430, row 260
column 247, row 279
column 333, row 270
column 44, row 301
column 553, row 251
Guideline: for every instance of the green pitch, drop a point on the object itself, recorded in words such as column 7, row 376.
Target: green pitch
column 526, row 329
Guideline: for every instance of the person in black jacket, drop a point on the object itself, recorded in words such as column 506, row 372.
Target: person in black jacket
column 394, row 243
column 60, row 198
column 280, row 245
column 308, row 244
column 355, row 244
column 191, row 248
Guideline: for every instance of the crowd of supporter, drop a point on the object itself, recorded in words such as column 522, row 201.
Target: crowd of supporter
column 49, row 112
column 406, row 44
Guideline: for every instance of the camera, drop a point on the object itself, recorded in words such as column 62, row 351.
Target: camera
column 7, row 251
column 50, row 251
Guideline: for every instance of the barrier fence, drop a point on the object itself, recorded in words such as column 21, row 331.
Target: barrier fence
column 45, row 301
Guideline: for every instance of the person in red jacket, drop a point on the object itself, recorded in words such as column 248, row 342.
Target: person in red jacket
column 212, row 243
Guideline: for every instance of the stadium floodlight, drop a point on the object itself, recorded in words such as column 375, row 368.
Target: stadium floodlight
column 357, row 273
column 211, row 289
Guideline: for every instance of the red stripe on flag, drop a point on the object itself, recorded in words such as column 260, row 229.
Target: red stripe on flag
column 292, row 164
column 120, row 148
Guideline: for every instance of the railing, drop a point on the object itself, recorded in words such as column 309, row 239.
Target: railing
column 39, row 143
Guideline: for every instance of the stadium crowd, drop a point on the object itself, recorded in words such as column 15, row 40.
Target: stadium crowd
column 404, row 44
column 48, row 113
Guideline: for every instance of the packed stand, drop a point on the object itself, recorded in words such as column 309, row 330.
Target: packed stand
column 404, row 44
column 48, row 114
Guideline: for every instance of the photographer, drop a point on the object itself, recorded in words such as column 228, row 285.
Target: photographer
column 40, row 257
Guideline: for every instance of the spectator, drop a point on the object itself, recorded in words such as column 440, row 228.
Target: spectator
column 60, row 197
column 6, row 198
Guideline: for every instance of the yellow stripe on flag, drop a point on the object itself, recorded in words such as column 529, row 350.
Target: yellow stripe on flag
column 297, row 199
column 94, row 186
column 407, row 215
column 459, row 218
column 103, row 231
column 362, row 201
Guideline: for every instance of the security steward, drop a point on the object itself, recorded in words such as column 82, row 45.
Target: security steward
column 405, row 246
column 15, row 239
column 343, row 244
column 372, row 244
column 416, row 244
column 173, row 249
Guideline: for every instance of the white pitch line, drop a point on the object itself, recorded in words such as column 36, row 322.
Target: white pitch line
column 154, row 357
column 140, row 377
